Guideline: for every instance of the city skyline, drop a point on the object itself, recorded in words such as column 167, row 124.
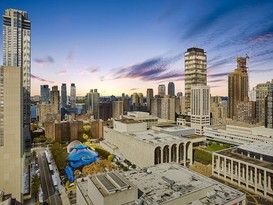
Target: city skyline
column 126, row 47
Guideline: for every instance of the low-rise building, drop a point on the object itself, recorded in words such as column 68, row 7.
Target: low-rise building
column 105, row 189
column 237, row 135
column 163, row 184
column 142, row 117
column 172, row 184
column 143, row 147
column 249, row 166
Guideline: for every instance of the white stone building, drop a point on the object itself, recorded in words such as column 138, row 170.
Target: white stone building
column 142, row 117
column 248, row 166
column 200, row 108
column 172, row 184
column 239, row 135
column 143, row 147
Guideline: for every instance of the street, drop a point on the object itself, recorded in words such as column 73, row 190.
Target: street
column 46, row 180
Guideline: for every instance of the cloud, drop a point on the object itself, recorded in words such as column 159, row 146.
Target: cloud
column 44, row 61
column 90, row 70
column 262, row 38
column 134, row 89
column 41, row 79
column 70, row 55
column 218, row 74
column 262, row 70
column 62, row 72
column 154, row 69
column 217, row 81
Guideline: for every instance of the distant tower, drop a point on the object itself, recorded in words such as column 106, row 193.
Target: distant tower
column 171, row 89
column 162, row 90
column 45, row 94
column 140, row 95
column 63, row 96
column 179, row 94
column 237, row 86
column 149, row 97
column 135, row 99
column 92, row 103
column 195, row 72
column 55, row 99
column 73, row 95
column 117, row 109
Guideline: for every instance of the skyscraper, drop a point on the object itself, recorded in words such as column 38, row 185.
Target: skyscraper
column 44, row 93
column 269, row 107
column 55, row 100
column 171, row 89
column 237, row 86
column 63, row 96
column 17, row 52
column 92, row 103
column 11, row 132
column 162, row 90
column 262, row 91
column 195, row 72
column 149, row 97
column 73, row 95
column 200, row 108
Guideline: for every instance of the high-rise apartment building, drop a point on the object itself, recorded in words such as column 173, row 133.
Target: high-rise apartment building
column 171, row 89
column 262, row 91
column 117, row 109
column 135, row 99
column 195, row 72
column 17, row 52
column 200, row 108
column 11, row 131
column 179, row 94
column 125, row 100
column 162, row 90
column 269, row 107
column 55, row 100
column 73, row 95
column 92, row 103
column 149, row 97
column 140, row 95
column 45, row 94
column 63, row 96
column 237, row 86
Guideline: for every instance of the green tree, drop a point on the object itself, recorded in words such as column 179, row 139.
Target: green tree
column 35, row 185
column 34, row 154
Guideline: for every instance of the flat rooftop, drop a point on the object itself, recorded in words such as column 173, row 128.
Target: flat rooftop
column 128, row 121
column 170, row 181
column 82, row 185
column 259, row 148
column 156, row 137
column 232, row 152
column 110, row 183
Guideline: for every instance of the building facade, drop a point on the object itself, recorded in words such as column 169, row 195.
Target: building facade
column 200, row 108
column 171, row 89
column 161, row 90
column 195, row 72
column 92, row 103
column 117, row 109
column 11, row 132
column 44, row 93
column 73, row 95
column 248, row 166
column 55, row 100
column 262, row 91
column 129, row 139
column 149, row 97
column 237, row 86
column 238, row 135
column 63, row 96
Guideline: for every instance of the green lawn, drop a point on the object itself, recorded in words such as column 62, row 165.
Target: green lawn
column 217, row 147
column 202, row 156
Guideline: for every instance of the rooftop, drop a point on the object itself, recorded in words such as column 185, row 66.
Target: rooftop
column 174, row 182
column 110, row 183
column 155, row 137
column 82, row 185
column 259, row 148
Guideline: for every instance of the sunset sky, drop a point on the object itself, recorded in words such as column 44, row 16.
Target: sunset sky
column 127, row 46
